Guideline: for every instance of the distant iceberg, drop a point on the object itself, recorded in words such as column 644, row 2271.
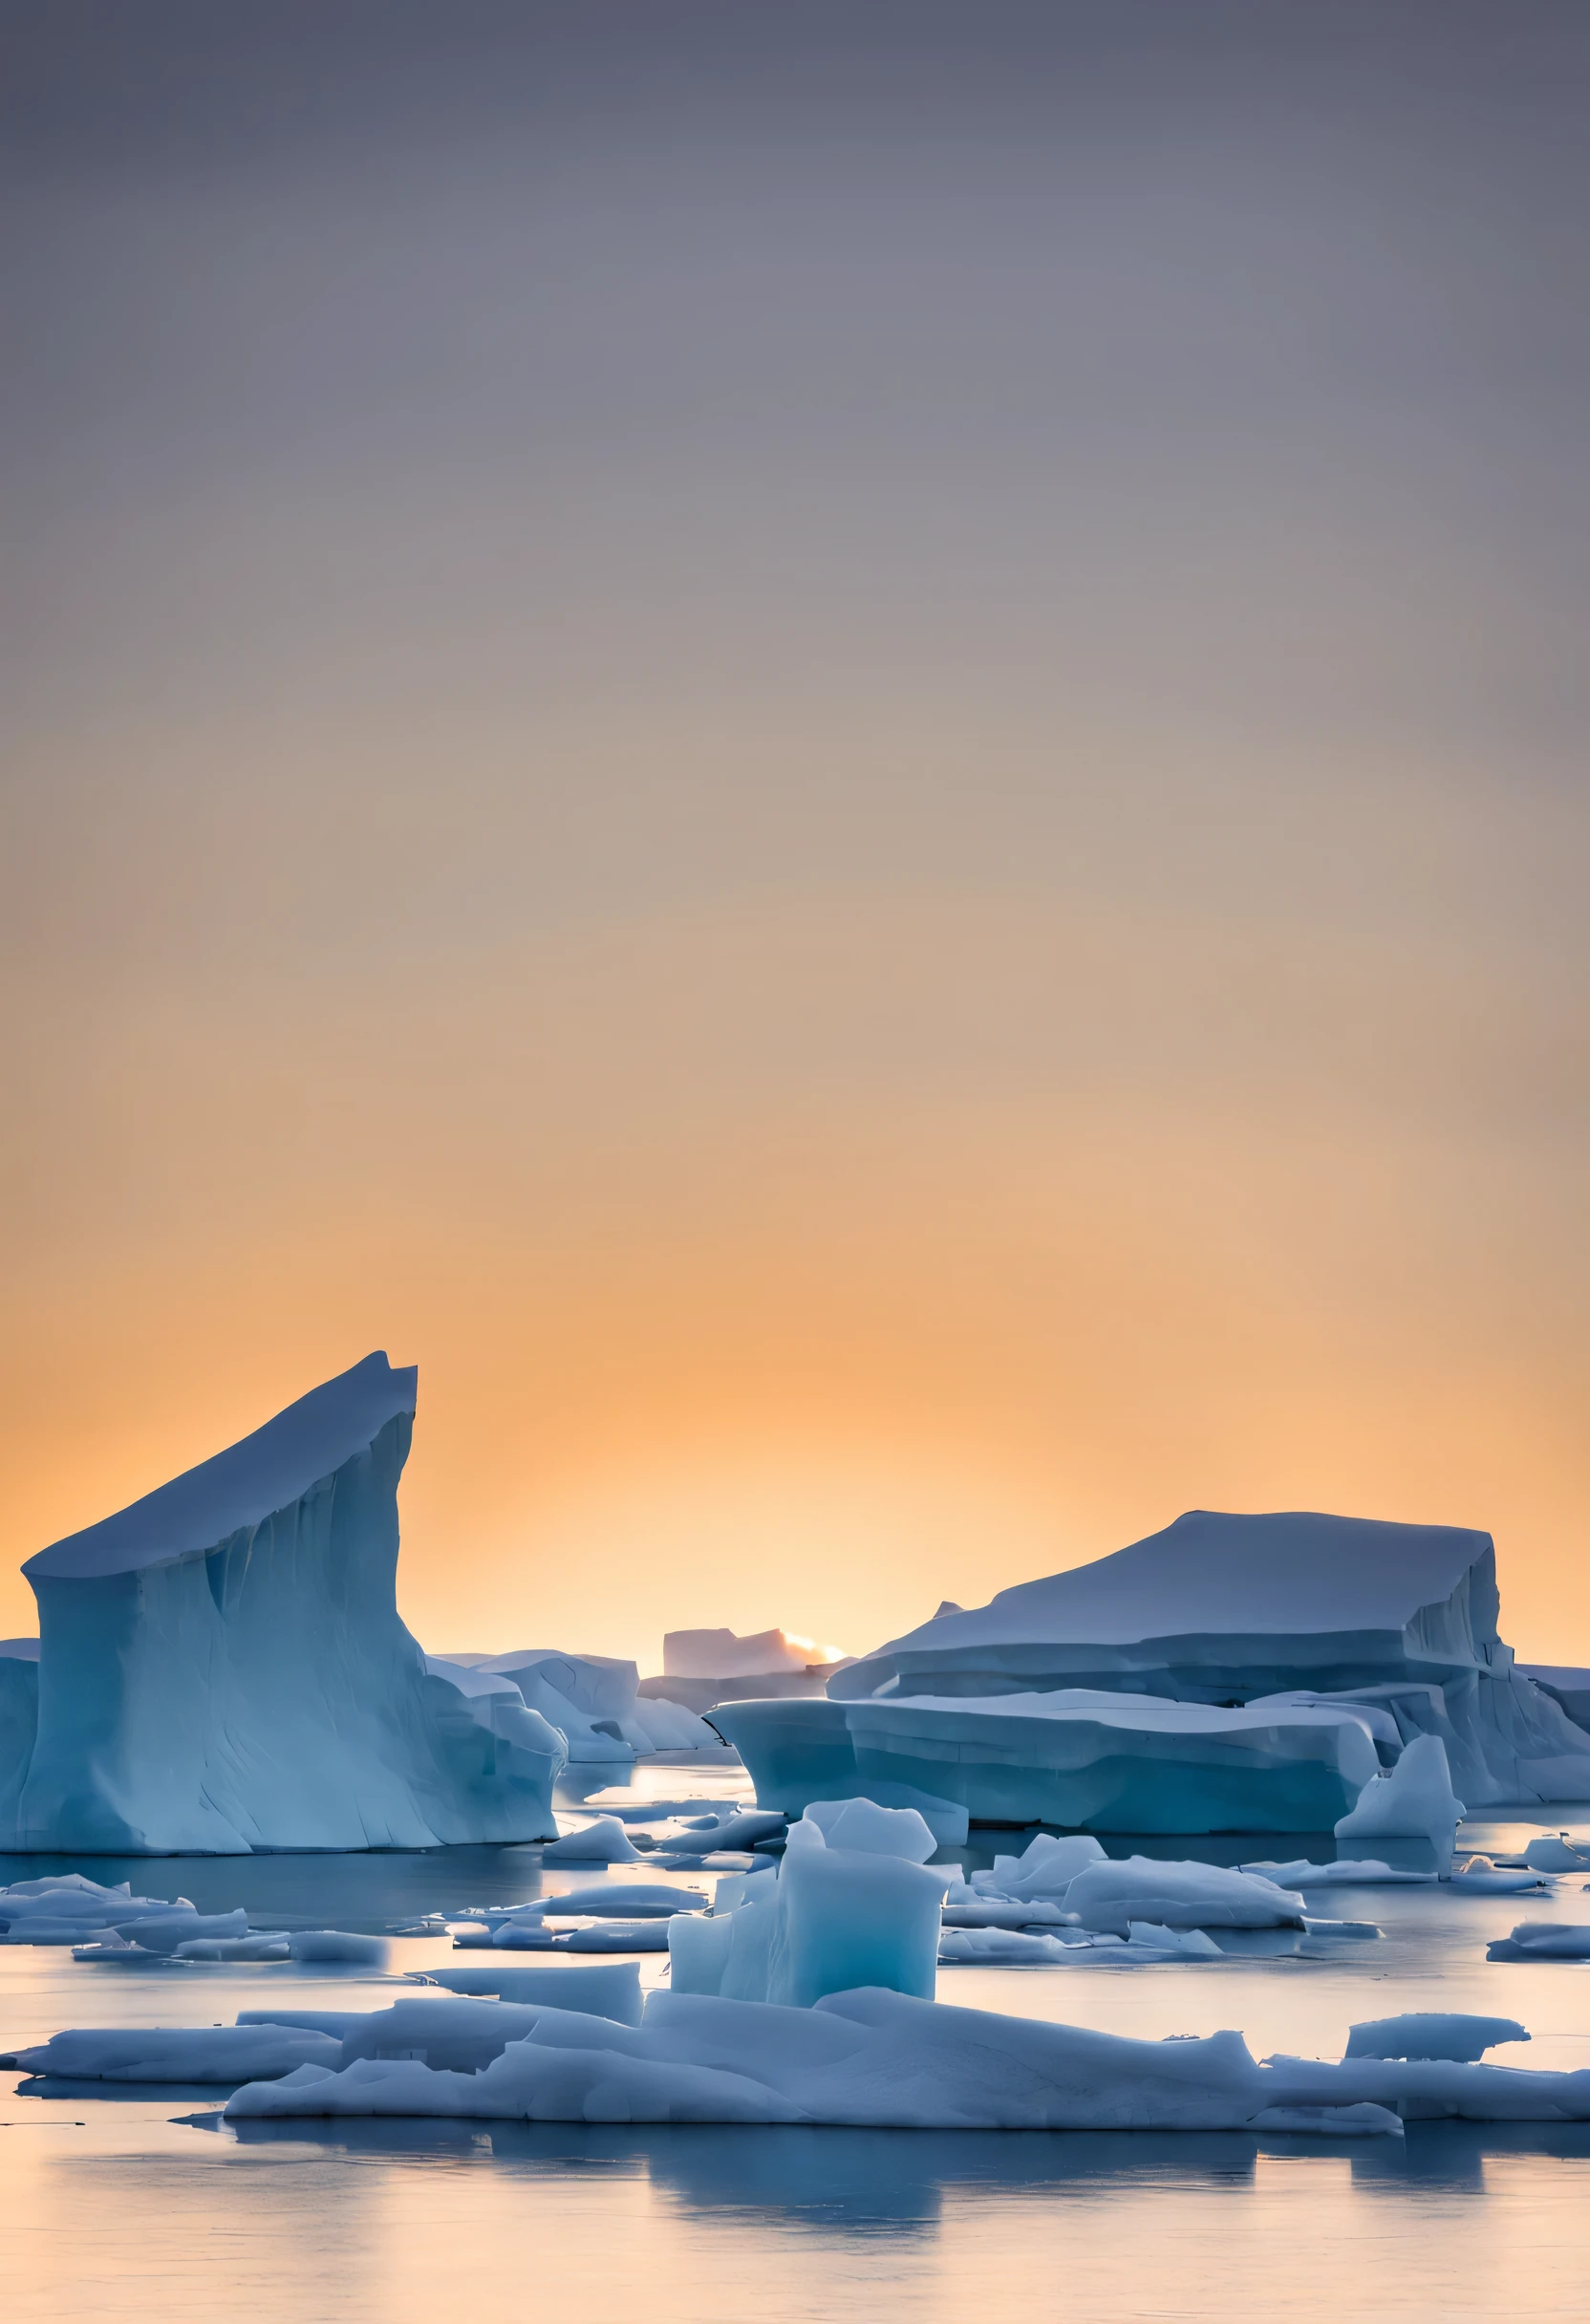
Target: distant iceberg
column 222, row 1666
column 1283, row 1614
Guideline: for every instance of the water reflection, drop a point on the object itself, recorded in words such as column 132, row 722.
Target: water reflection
column 863, row 2180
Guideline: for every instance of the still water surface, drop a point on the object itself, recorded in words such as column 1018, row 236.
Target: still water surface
column 144, row 2206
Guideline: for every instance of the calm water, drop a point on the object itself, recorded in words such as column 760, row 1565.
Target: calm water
column 144, row 2206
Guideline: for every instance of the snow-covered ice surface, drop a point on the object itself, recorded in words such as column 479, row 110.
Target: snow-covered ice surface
column 396, row 2222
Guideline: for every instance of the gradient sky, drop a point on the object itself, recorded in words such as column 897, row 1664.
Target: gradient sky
column 838, row 749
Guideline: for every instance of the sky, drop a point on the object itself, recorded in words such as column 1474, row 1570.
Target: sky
column 838, row 750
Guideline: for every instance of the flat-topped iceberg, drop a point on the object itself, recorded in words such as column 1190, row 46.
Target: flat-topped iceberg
column 1286, row 1612
column 222, row 1665
column 1086, row 1758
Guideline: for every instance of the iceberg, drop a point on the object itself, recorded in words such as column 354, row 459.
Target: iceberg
column 1319, row 1610
column 223, row 1667
column 1422, row 2033
column 1086, row 1758
column 1413, row 1800
column 703, row 1667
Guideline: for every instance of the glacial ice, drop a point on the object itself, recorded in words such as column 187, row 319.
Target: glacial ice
column 1414, row 1799
column 222, row 1665
column 1286, row 1613
column 887, row 2059
column 1084, row 1759
column 1424, row 2033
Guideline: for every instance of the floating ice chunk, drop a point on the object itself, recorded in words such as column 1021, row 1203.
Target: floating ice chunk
column 1413, row 1800
column 182, row 2054
column 999, row 1947
column 617, row 1937
column 612, row 1990
column 266, row 1946
column 52, row 1928
column 1543, row 1941
column 1113, row 1894
column 337, row 1945
column 623, row 1899
column 513, row 1937
column 1047, row 1866
column 602, row 1842
column 861, row 1824
column 162, row 1932
column 1550, row 1852
column 1424, row 2033
column 1349, row 1871
column 425, row 1925
column 966, row 1907
column 1480, row 1873
column 737, row 1831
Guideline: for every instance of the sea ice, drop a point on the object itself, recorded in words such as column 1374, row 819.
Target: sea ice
column 1424, row 2033
column 162, row 1932
column 178, row 2054
column 887, row 2059
column 602, row 1842
column 222, row 1665
column 1413, row 1800
column 1111, row 1895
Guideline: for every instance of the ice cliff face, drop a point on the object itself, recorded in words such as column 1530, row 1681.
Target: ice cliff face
column 222, row 1666
column 1295, row 1609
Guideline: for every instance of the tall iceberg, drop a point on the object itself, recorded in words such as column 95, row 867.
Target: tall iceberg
column 222, row 1667
column 1397, row 1621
